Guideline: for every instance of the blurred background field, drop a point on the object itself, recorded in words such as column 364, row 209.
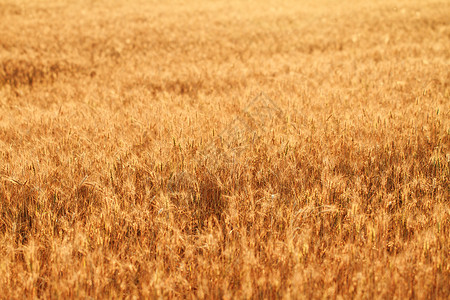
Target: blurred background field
column 123, row 173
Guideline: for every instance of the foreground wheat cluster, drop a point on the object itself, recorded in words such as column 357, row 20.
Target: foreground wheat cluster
column 224, row 149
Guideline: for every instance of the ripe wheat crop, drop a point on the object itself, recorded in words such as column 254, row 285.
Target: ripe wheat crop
column 225, row 149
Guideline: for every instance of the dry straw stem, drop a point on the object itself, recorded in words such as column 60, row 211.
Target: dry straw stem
column 115, row 183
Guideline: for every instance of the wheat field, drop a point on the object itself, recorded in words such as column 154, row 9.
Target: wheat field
column 225, row 149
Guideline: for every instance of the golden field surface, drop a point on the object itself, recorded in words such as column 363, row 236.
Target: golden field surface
column 225, row 149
